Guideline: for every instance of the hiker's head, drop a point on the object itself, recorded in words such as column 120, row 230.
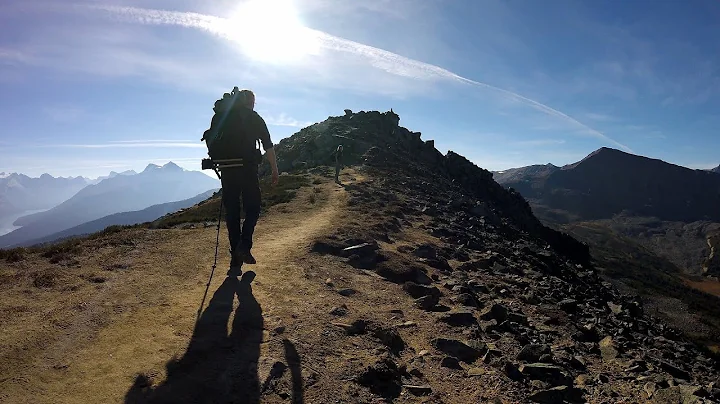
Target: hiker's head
column 339, row 148
column 246, row 98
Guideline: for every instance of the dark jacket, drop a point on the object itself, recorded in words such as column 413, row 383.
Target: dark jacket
column 337, row 156
column 240, row 132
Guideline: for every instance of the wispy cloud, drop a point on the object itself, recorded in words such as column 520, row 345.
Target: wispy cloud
column 12, row 56
column 599, row 117
column 64, row 114
column 123, row 145
column 284, row 120
column 378, row 58
column 150, row 141
column 537, row 142
column 655, row 135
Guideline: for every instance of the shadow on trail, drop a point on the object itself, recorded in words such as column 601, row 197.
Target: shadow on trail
column 217, row 367
column 293, row 359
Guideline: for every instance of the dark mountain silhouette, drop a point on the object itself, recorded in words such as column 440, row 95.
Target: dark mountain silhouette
column 524, row 177
column 716, row 170
column 609, row 182
column 122, row 193
column 20, row 193
column 123, row 219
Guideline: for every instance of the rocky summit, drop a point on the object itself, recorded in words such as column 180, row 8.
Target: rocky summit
column 416, row 279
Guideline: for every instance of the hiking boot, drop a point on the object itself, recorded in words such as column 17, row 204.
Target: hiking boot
column 242, row 254
column 234, row 271
column 247, row 257
column 235, row 267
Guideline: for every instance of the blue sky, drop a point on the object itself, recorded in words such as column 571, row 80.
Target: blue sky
column 92, row 86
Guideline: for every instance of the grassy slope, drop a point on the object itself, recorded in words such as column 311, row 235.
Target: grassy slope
column 205, row 211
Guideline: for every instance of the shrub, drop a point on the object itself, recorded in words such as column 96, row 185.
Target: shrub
column 13, row 255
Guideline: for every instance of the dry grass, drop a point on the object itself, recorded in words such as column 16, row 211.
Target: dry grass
column 707, row 286
column 82, row 333
column 207, row 211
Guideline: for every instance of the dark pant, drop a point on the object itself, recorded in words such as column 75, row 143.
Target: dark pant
column 240, row 183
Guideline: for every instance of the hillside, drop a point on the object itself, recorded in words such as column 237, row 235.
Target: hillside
column 124, row 219
column 121, row 193
column 419, row 279
column 660, row 259
column 671, row 210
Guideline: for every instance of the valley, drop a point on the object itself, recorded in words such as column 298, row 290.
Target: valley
column 7, row 221
column 651, row 227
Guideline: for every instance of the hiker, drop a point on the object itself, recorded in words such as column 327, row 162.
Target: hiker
column 338, row 154
column 241, row 129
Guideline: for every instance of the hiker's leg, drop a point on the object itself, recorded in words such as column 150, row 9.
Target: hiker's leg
column 251, row 204
column 231, row 201
column 337, row 171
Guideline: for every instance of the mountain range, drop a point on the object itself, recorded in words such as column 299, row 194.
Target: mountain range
column 20, row 193
column 111, row 175
column 608, row 182
column 124, row 218
column 670, row 210
column 116, row 194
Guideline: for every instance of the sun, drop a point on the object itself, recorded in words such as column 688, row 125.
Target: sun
column 271, row 31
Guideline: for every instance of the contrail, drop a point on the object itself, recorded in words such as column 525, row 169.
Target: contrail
column 379, row 58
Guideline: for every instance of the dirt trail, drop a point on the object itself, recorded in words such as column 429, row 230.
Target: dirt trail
column 149, row 316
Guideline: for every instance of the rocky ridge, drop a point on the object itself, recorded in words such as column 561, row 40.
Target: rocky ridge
column 402, row 150
column 516, row 304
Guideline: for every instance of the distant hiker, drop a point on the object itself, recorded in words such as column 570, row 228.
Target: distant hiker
column 239, row 130
column 338, row 154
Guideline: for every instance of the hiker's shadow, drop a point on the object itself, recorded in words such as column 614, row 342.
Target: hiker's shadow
column 217, row 367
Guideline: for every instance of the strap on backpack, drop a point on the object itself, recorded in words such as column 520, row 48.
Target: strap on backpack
column 214, row 134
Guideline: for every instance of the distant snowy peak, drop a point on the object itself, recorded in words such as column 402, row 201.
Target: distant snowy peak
column 114, row 174
column 5, row 175
column 126, row 172
column 151, row 167
column 168, row 167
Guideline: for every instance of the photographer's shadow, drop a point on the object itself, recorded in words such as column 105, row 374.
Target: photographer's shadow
column 217, row 367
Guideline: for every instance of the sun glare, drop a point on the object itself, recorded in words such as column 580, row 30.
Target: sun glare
column 271, row 31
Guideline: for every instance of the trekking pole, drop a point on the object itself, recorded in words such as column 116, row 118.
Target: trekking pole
column 217, row 244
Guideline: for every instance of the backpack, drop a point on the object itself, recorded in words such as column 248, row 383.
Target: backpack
column 220, row 144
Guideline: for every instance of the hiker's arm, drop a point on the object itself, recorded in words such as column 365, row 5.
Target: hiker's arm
column 264, row 136
column 273, row 164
